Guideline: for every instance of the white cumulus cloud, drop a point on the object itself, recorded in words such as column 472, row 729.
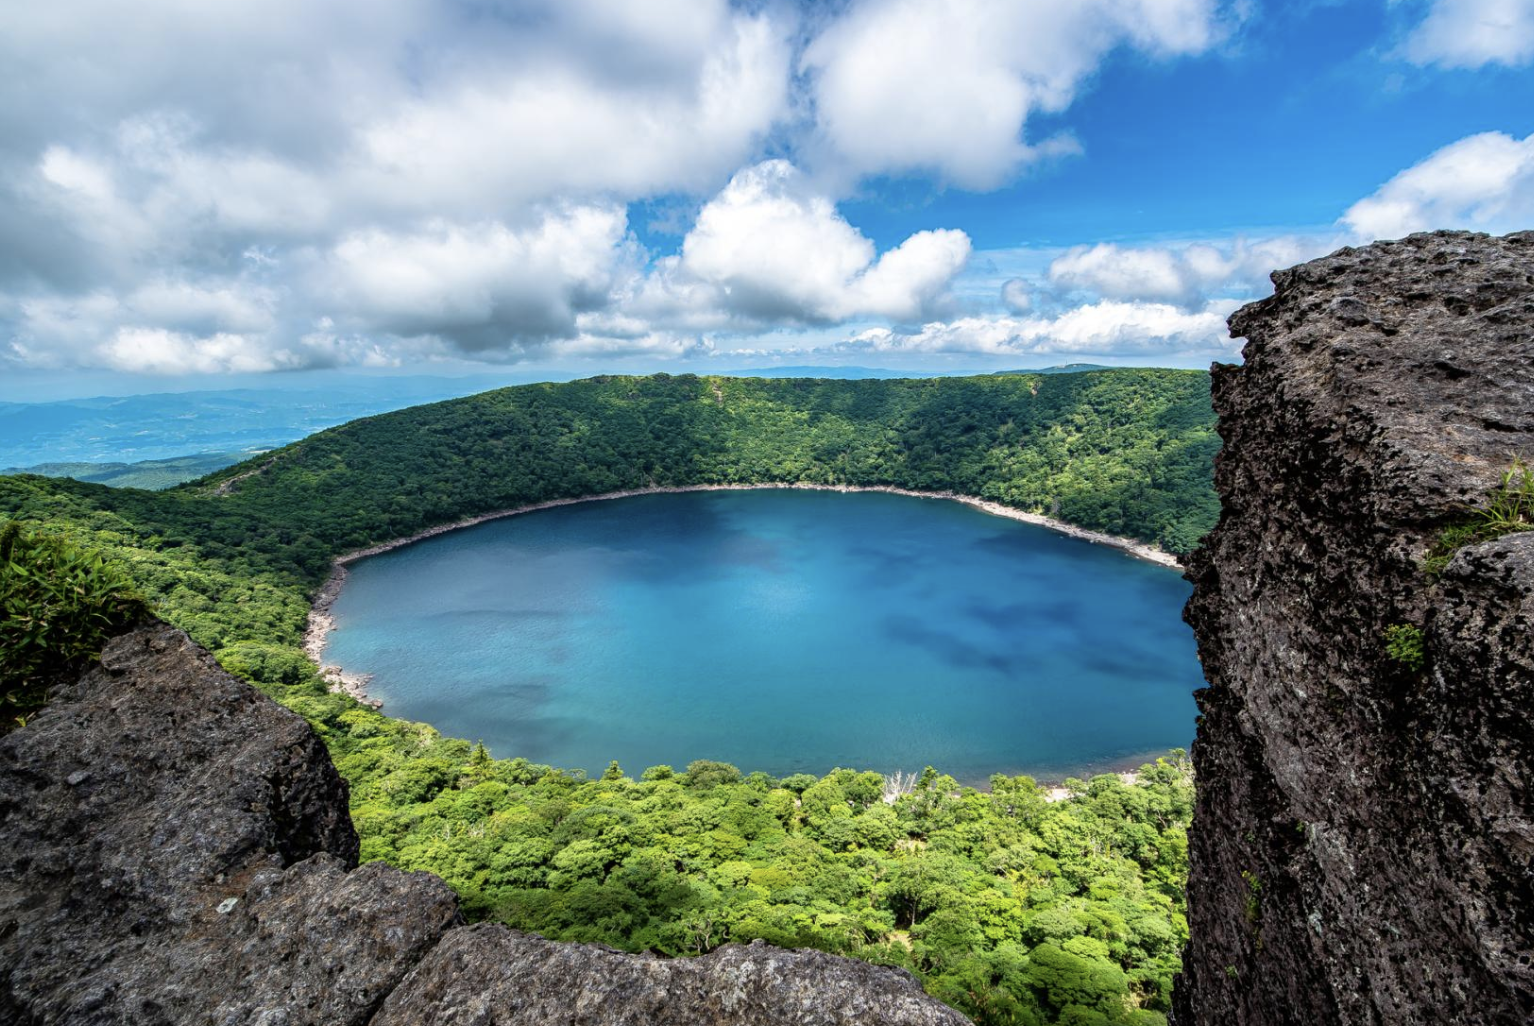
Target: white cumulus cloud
column 272, row 184
column 1471, row 33
column 482, row 286
column 526, row 132
column 1483, row 182
column 269, row 184
column 775, row 249
column 1105, row 328
column 947, row 86
column 171, row 326
column 158, row 351
column 1184, row 275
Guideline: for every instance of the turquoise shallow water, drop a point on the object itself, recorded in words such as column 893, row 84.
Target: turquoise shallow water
column 779, row 630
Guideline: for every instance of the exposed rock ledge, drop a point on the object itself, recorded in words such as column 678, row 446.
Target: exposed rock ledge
column 1363, row 845
column 177, row 850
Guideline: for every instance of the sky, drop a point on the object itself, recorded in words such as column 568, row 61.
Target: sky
column 268, row 189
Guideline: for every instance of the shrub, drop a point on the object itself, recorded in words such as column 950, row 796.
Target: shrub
column 58, row 603
column 1404, row 644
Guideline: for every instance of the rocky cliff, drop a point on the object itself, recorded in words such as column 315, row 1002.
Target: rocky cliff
column 1363, row 845
column 177, row 850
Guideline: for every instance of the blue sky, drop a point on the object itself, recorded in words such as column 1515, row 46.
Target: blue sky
column 1302, row 112
column 274, row 190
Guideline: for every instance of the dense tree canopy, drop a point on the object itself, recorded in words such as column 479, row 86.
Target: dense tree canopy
column 1013, row 908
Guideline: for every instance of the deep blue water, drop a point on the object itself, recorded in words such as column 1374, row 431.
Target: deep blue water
column 778, row 630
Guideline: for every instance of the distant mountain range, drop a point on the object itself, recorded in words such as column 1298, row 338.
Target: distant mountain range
column 1064, row 368
column 841, row 373
column 151, row 474
column 164, row 426
column 862, row 373
column 143, row 441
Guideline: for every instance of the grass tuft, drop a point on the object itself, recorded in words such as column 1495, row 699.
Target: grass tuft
column 1510, row 509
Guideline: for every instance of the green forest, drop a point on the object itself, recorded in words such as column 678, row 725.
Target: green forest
column 1012, row 908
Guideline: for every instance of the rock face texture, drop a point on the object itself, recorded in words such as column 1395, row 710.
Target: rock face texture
column 1363, row 845
column 490, row 976
column 176, row 849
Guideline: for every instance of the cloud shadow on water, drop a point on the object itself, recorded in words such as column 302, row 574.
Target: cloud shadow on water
column 1026, row 616
column 947, row 646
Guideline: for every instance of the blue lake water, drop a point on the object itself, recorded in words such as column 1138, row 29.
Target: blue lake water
column 779, row 630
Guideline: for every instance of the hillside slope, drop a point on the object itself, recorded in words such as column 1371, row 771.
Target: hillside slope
column 1125, row 452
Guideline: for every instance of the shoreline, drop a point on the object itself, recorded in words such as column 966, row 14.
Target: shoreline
column 321, row 622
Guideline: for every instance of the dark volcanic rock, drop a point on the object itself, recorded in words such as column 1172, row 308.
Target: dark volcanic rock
column 491, row 976
column 177, row 850
column 1363, row 845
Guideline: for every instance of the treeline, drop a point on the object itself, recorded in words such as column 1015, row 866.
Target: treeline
column 1010, row 908
column 1127, row 452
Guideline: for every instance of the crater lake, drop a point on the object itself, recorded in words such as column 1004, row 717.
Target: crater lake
column 780, row 630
